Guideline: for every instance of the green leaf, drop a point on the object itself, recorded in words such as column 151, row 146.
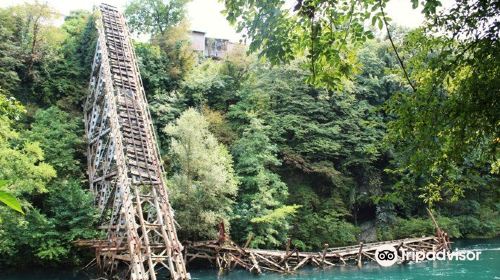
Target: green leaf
column 3, row 183
column 10, row 201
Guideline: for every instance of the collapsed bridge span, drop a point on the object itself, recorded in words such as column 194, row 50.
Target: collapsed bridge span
column 127, row 179
column 226, row 255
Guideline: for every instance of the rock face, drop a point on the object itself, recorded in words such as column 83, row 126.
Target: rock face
column 368, row 231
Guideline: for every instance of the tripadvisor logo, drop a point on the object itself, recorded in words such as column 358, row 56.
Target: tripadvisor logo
column 387, row 255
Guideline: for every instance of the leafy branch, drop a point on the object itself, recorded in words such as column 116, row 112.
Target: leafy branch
column 400, row 60
column 9, row 199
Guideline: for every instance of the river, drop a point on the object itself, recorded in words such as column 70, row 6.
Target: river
column 487, row 267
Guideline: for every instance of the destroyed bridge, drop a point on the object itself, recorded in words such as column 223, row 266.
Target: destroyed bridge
column 127, row 179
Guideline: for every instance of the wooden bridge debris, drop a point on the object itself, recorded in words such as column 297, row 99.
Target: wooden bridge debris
column 226, row 255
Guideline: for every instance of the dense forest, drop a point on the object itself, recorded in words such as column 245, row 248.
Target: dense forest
column 321, row 129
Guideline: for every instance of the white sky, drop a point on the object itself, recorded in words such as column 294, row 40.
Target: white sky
column 205, row 15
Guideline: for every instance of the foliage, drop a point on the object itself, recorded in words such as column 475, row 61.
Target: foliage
column 417, row 227
column 326, row 30
column 9, row 53
column 58, row 211
column 260, row 209
column 59, row 136
column 154, row 16
column 166, row 60
column 215, row 84
column 445, row 134
column 320, row 221
column 39, row 237
column 202, row 181
column 164, row 63
column 67, row 80
column 43, row 164
column 31, row 41
column 10, row 107
column 322, row 29
column 21, row 163
column 44, row 64
column 9, row 200
column 305, row 123
column 219, row 126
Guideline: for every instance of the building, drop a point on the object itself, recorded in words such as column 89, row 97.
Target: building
column 210, row 47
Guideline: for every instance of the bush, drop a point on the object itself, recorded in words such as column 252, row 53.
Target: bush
column 417, row 227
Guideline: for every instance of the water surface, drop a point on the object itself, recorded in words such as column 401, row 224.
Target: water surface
column 487, row 267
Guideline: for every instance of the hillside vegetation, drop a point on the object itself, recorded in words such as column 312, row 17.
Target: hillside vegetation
column 312, row 132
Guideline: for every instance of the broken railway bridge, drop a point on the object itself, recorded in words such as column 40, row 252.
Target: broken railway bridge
column 127, row 179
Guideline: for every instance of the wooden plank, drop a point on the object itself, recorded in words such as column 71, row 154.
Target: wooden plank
column 255, row 263
column 301, row 263
column 359, row 253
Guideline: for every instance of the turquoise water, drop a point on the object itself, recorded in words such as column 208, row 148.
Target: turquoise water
column 487, row 267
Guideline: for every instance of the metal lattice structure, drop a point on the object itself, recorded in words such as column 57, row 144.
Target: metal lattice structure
column 124, row 167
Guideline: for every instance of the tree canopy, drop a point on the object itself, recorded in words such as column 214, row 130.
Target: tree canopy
column 154, row 16
column 203, row 183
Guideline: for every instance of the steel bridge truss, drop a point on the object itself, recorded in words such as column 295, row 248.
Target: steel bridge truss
column 124, row 167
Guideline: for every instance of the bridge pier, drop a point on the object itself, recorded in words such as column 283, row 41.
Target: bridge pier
column 125, row 172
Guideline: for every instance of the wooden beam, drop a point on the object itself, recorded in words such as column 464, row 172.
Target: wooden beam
column 301, row 263
column 359, row 254
column 255, row 263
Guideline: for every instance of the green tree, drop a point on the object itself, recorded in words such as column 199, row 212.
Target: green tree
column 154, row 16
column 58, row 210
column 202, row 182
column 164, row 63
column 8, row 199
column 9, row 53
column 60, row 137
column 21, row 163
column 216, row 83
column 324, row 30
column 9, row 109
column 328, row 141
column 446, row 83
column 445, row 134
column 25, row 175
column 261, row 211
column 166, row 60
column 38, row 41
column 66, row 80
column 43, row 64
column 321, row 220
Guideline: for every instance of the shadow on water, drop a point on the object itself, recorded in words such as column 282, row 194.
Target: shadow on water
column 487, row 267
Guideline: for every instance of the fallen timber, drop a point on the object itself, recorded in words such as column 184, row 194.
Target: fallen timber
column 227, row 255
